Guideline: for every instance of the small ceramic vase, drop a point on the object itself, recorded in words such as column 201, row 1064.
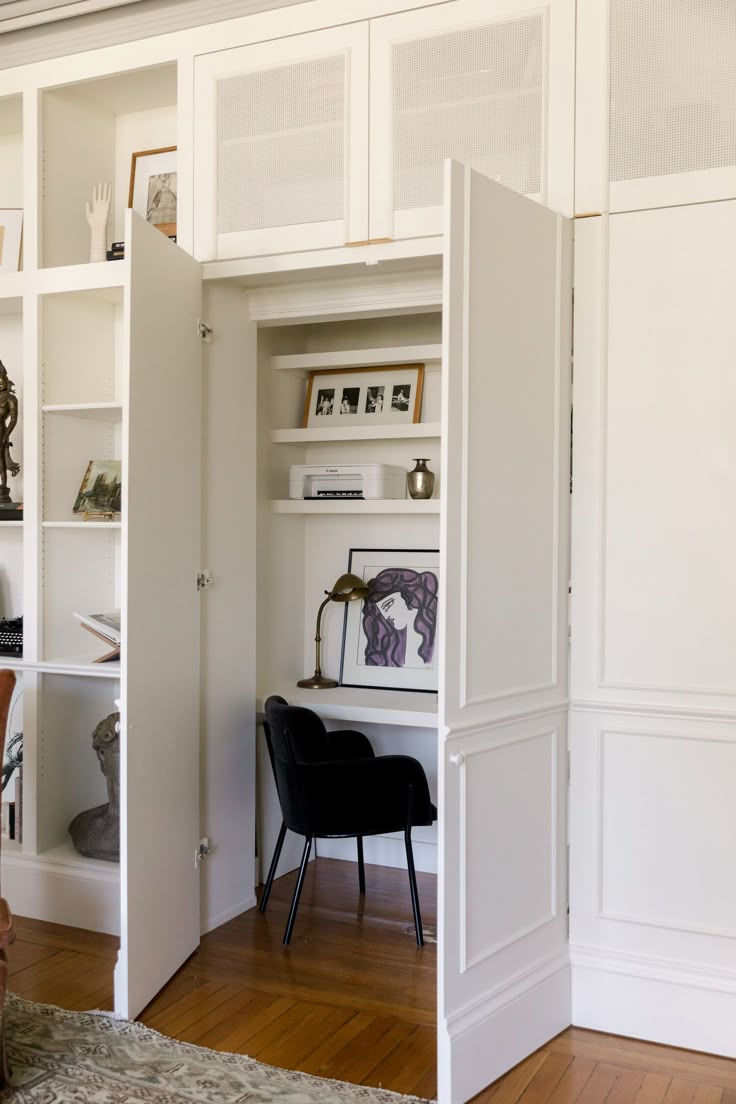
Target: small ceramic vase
column 420, row 480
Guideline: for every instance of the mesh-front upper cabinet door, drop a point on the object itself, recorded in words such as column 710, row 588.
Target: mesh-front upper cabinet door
column 487, row 82
column 281, row 134
column 656, row 115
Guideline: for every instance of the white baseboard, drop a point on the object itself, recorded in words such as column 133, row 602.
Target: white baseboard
column 381, row 851
column 209, row 923
column 493, row 1036
column 677, row 1004
column 63, row 892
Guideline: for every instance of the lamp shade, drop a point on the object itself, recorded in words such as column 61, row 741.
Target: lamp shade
column 348, row 588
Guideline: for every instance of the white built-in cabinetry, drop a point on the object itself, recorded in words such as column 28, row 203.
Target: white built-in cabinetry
column 352, row 125
column 339, row 136
column 101, row 355
column 655, row 118
column 653, row 710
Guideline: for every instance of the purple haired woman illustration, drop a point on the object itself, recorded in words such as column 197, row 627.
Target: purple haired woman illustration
column 400, row 618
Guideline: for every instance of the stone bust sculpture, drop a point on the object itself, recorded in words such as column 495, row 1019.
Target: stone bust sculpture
column 96, row 832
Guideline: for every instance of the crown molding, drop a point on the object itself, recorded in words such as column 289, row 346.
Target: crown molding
column 135, row 19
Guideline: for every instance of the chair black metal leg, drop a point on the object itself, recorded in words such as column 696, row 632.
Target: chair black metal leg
column 272, row 868
column 412, row 871
column 413, row 887
column 361, row 865
column 298, row 889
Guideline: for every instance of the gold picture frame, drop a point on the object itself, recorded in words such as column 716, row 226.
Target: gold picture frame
column 342, row 397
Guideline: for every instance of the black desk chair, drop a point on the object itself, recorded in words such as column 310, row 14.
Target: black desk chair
column 332, row 785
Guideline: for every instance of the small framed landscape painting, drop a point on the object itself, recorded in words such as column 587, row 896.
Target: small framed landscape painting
column 390, row 637
column 100, row 492
column 344, row 397
column 152, row 193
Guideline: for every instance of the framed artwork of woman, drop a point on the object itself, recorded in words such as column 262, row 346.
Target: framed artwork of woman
column 390, row 638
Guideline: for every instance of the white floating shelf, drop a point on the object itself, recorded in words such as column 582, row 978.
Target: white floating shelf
column 103, row 412
column 73, row 665
column 10, row 525
column 356, row 358
column 395, row 707
column 82, row 524
column 355, row 506
column 104, row 278
column 359, row 433
column 11, row 292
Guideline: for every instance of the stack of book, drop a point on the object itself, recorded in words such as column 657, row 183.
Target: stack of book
column 116, row 252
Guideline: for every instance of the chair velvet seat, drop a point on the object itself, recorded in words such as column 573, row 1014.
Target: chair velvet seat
column 332, row 785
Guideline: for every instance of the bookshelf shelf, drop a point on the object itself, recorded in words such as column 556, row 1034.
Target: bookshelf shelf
column 405, row 506
column 425, row 430
column 356, row 358
column 104, row 412
column 82, row 525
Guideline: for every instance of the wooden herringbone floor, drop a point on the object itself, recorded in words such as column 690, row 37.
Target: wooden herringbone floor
column 353, row 998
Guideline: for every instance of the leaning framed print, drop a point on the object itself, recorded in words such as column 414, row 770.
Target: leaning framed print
column 390, row 637
column 152, row 191
column 338, row 398
column 11, row 232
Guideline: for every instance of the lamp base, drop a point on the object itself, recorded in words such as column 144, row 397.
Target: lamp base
column 317, row 682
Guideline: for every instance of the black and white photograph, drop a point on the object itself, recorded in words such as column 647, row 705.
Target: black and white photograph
column 385, row 394
column 400, row 396
column 374, row 400
column 325, row 402
column 349, row 401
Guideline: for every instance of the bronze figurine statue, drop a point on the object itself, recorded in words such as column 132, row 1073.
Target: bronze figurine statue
column 8, row 422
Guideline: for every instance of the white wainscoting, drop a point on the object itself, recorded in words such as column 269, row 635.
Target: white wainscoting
column 652, row 907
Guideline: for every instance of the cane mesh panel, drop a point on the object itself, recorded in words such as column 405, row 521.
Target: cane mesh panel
column 281, row 146
column 672, row 87
column 477, row 95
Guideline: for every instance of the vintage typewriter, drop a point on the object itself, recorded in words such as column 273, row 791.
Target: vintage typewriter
column 11, row 636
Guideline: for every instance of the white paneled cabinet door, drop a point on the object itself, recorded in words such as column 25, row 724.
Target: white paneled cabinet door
column 281, row 133
column 504, row 979
column 486, row 82
column 159, row 831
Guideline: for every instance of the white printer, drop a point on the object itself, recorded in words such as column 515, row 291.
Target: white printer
column 346, row 481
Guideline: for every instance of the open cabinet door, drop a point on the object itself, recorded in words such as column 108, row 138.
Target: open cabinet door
column 159, row 830
column 504, row 981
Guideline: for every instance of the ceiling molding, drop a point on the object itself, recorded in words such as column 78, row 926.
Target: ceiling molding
column 16, row 15
column 135, row 19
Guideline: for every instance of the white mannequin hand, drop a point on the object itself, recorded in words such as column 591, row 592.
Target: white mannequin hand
column 97, row 216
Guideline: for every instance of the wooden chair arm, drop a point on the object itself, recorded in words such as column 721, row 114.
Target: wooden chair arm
column 7, row 932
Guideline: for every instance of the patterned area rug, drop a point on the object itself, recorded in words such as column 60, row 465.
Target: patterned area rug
column 60, row 1057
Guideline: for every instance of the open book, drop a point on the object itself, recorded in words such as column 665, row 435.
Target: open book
column 106, row 627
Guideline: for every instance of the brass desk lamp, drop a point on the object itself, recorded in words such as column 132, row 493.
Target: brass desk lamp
column 346, row 589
